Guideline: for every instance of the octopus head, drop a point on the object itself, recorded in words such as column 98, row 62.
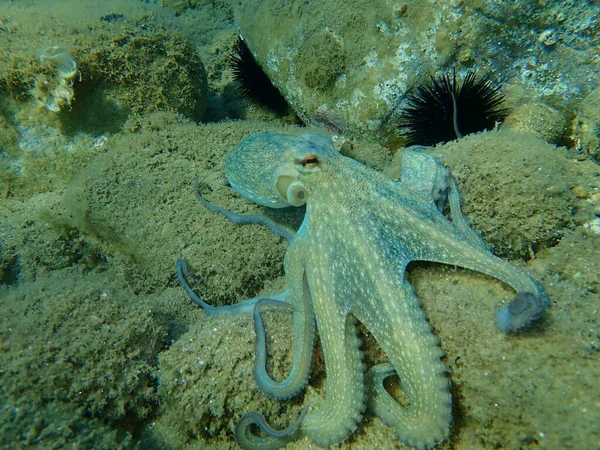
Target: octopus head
column 268, row 168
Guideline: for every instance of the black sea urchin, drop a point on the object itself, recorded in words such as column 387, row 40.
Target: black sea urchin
column 445, row 110
column 252, row 81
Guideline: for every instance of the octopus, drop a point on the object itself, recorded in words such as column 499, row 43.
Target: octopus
column 347, row 263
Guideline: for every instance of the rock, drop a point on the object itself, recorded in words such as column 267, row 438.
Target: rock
column 349, row 67
column 539, row 119
column 98, row 66
column 586, row 125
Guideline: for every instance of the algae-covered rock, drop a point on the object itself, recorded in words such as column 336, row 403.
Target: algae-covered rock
column 181, row 6
column 586, row 125
column 517, row 189
column 148, row 69
column 8, row 148
column 126, row 58
column 350, row 65
column 8, row 137
column 541, row 120
column 77, row 344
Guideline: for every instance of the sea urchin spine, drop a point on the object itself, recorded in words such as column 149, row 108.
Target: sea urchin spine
column 445, row 110
column 252, row 81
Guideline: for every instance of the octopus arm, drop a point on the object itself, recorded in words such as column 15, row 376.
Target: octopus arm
column 334, row 419
column 337, row 416
column 459, row 220
column 245, row 219
column 304, row 331
column 244, row 306
column 391, row 312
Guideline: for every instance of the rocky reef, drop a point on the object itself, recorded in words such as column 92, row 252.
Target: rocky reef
column 349, row 66
column 109, row 111
column 102, row 68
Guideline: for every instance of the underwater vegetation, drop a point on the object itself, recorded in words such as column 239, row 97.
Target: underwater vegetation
column 54, row 90
column 252, row 81
column 445, row 109
column 57, row 56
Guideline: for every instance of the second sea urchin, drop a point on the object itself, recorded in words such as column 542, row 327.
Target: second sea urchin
column 444, row 109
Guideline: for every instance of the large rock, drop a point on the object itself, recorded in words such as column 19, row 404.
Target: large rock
column 350, row 65
column 122, row 59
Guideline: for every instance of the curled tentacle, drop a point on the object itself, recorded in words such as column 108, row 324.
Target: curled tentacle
column 275, row 438
column 298, row 376
column 213, row 311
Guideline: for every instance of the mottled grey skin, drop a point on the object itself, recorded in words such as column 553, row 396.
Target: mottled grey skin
column 346, row 262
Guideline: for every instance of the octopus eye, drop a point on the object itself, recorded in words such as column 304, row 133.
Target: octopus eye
column 310, row 161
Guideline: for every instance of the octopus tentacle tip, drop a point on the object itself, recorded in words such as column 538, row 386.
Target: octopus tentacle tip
column 275, row 438
column 524, row 311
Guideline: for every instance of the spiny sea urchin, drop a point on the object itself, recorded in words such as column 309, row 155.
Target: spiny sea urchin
column 252, row 81
column 445, row 110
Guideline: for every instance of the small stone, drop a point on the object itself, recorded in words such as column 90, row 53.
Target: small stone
column 539, row 119
column 581, row 192
column 548, row 37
